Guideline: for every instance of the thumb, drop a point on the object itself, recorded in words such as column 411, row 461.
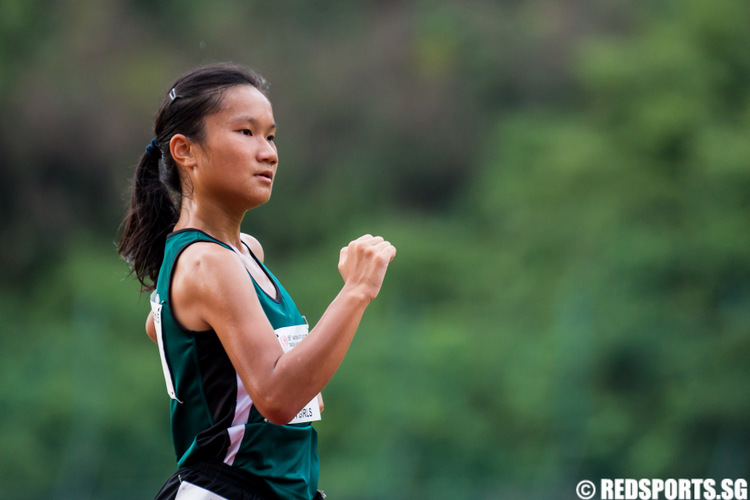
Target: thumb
column 342, row 262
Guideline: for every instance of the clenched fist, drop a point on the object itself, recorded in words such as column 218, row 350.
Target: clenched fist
column 363, row 264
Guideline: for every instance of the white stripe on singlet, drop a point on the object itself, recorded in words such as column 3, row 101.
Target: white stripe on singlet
column 241, row 414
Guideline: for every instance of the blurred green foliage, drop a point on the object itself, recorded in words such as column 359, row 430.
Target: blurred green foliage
column 566, row 182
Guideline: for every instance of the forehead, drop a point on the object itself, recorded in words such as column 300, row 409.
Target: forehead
column 244, row 101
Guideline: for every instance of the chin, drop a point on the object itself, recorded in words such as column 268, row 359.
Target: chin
column 258, row 201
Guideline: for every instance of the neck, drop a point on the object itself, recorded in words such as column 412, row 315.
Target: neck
column 212, row 220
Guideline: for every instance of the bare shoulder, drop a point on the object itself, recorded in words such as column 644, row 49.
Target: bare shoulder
column 205, row 257
column 205, row 275
column 253, row 244
column 206, row 266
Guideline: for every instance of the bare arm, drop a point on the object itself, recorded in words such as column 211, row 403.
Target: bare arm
column 211, row 287
column 150, row 327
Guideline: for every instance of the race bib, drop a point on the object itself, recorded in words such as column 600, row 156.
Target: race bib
column 156, row 306
column 289, row 337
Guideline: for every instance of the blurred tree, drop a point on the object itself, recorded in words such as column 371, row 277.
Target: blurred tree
column 626, row 216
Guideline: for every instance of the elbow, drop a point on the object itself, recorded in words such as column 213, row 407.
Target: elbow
column 275, row 411
column 280, row 418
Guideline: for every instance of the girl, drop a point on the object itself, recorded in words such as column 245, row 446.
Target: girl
column 241, row 370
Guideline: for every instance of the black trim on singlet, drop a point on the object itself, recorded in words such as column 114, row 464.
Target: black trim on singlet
column 262, row 266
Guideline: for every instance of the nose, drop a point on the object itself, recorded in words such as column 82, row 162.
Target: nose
column 267, row 153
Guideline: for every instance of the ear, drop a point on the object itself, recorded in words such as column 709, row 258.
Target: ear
column 183, row 151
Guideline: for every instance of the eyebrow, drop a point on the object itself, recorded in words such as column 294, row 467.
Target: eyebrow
column 252, row 120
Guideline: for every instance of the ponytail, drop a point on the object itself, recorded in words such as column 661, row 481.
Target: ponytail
column 151, row 217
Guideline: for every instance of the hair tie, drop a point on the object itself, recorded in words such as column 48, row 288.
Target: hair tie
column 173, row 94
column 153, row 149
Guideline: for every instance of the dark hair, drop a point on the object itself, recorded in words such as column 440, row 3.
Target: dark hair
column 156, row 191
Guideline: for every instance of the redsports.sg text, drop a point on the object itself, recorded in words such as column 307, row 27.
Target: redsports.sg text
column 667, row 489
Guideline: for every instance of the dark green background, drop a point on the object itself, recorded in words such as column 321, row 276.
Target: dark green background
column 566, row 182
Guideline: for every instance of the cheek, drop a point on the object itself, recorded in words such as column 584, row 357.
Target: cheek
column 229, row 159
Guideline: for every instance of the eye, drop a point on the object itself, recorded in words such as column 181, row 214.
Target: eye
column 246, row 131
column 271, row 138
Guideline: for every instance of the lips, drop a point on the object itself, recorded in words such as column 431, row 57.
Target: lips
column 267, row 174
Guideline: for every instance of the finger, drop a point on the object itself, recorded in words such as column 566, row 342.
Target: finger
column 368, row 239
column 387, row 250
column 382, row 245
column 362, row 238
column 391, row 253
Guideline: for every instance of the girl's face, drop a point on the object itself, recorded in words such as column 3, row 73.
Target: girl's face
column 236, row 160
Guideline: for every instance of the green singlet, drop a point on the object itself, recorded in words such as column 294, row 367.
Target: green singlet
column 213, row 417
